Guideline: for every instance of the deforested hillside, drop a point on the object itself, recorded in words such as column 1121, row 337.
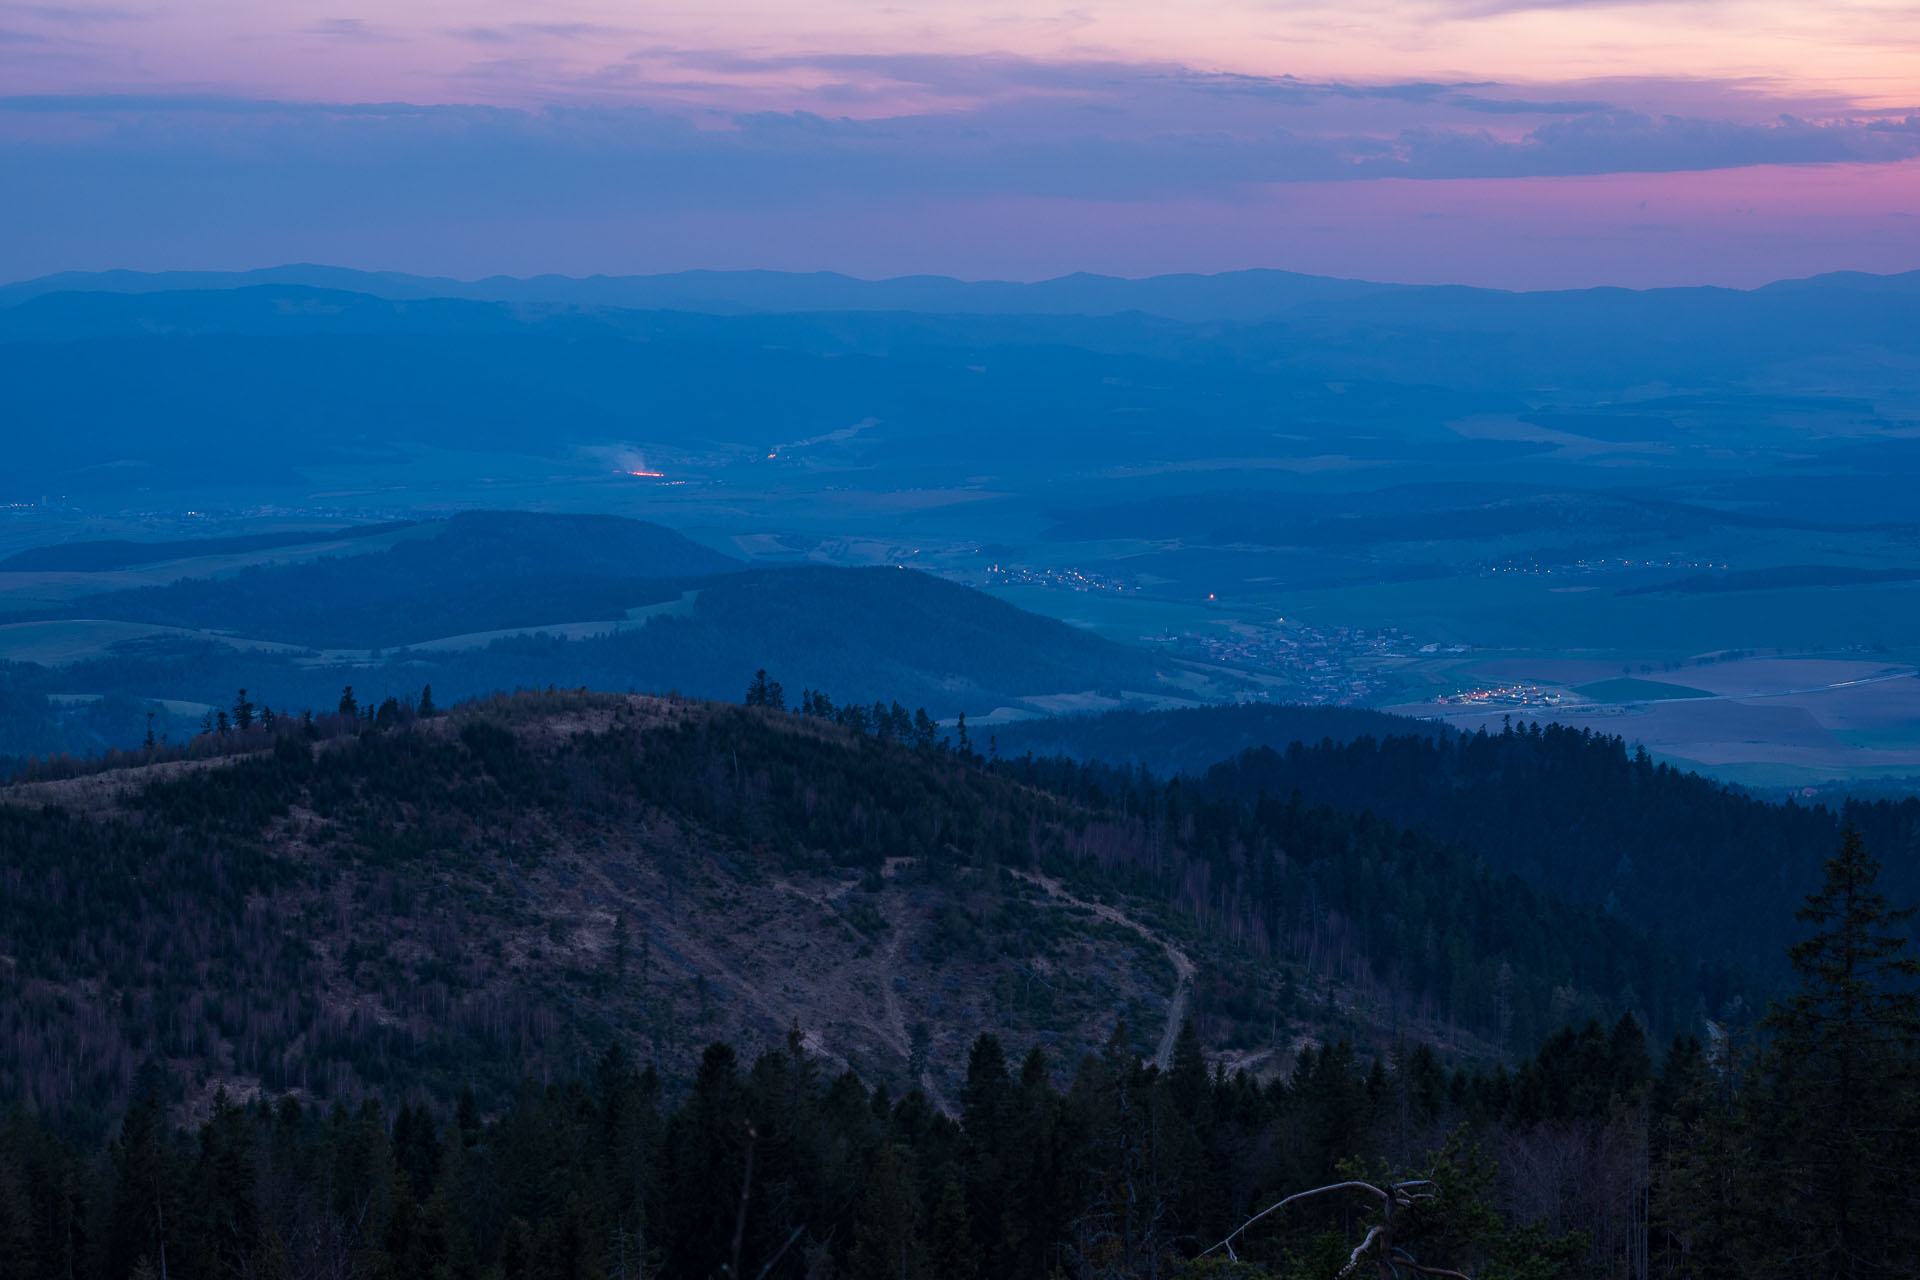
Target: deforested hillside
column 421, row 904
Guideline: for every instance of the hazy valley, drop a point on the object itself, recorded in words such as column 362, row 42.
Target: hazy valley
column 1532, row 498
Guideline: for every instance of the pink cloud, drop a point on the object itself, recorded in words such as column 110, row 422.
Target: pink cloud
column 702, row 138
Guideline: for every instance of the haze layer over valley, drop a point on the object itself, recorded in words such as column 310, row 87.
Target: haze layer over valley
column 1678, row 516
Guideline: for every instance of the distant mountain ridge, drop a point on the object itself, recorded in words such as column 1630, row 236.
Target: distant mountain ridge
column 1239, row 295
column 1247, row 295
column 1022, row 382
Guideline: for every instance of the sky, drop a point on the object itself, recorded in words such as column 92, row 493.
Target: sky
column 1509, row 143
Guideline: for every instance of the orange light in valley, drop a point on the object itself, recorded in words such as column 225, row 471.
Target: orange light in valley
column 649, row 475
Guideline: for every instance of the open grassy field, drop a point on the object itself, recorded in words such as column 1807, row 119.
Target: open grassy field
column 23, row 591
column 632, row 620
column 58, row 644
column 1629, row 689
column 1532, row 613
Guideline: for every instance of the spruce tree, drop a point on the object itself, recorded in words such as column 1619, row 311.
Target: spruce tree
column 952, row 1254
column 886, row 1241
column 706, row 1167
column 1838, row 1114
column 223, row 1190
column 1703, row 1163
column 986, row 1099
column 764, row 692
column 1039, row 1188
column 1185, row 1132
column 145, row 1216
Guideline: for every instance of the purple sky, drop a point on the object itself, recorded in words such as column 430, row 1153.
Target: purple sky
column 1521, row 143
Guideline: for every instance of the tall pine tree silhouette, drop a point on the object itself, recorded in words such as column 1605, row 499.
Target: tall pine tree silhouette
column 1837, row 1089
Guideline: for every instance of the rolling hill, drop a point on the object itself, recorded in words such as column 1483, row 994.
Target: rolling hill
column 488, row 601
column 477, row 571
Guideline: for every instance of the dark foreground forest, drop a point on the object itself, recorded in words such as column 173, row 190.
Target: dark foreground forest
column 371, row 924
column 1794, row 1157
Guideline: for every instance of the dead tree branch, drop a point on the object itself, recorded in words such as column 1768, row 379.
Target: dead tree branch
column 1394, row 1196
column 1227, row 1244
column 1359, row 1250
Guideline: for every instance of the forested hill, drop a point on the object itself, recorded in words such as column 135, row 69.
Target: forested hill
column 869, row 633
column 412, row 905
column 476, row 571
column 1579, row 816
column 904, row 1014
column 489, row 600
column 1574, row 814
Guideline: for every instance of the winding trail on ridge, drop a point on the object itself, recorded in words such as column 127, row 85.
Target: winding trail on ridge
column 1183, row 967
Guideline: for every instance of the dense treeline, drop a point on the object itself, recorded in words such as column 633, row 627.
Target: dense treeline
column 1104, row 1166
column 1796, row 1160
column 1192, row 740
column 1580, row 816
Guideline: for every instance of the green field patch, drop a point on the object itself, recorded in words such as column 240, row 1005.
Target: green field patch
column 1631, row 689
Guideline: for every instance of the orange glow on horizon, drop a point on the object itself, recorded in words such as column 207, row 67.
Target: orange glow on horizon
column 647, row 475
